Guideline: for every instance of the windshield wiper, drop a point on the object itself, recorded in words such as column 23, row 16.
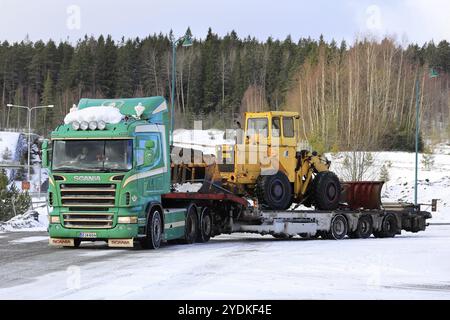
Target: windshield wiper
column 66, row 169
column 72, row 169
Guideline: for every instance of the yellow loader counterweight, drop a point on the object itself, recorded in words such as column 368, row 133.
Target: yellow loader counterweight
column 268, row 163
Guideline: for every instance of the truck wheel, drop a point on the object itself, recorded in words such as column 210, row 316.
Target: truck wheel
column 154, row 231
column 205, row 226
column 326, row 191
column 364, row 229
column 275, row 191
column 338, row 229
column 388, row 227
column 191, row 226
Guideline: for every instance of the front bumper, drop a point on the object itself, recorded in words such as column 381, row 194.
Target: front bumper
column 120, row 231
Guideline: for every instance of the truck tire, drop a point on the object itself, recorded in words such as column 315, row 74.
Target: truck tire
column 191, row 225
column 205, row 226
column 274, row 191
column 364, row 229
column 338, row 228
column 388, row 228
column 154, row 231
column 326, row 191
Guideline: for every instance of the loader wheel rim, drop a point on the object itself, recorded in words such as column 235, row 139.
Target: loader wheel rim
column 277, row 190
column 331, row 191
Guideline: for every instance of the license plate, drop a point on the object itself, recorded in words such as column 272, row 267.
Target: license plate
column 88, row 235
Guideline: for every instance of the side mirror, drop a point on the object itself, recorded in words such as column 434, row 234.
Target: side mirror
column 149, row 153
column 45, row 158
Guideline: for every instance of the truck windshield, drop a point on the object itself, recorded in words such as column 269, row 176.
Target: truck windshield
column 92, row 155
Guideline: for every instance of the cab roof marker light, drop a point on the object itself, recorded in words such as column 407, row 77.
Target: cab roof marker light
column 93, row 125
column 76, row 125
column 101, row 125
column 84, row 125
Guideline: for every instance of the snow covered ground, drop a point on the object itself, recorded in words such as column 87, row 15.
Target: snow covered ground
column 238, row 266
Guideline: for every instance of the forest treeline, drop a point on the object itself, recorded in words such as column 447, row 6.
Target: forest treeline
column 359, row 95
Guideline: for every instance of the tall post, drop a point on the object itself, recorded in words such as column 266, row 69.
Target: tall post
column 417, row 139
column 172, row 112
column 29, row 143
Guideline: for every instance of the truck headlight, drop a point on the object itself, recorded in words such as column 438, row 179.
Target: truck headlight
column 55, row 219
column 127, row 220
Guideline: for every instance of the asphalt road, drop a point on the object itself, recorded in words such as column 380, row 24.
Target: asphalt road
column 25, row 256
column 238, row 266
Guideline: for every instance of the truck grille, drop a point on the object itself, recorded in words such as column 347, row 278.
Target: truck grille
column 88, row 220
column 88, row 195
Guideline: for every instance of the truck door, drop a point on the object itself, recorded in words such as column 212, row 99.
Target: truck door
column 150, row 164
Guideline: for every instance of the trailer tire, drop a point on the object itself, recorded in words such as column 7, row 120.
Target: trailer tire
column 191, row 225
column 326, row 189
column 338, row 228
column 364, row 228
column 154, row 231
column 205, row 226
column 389, row 227
column 274, row 191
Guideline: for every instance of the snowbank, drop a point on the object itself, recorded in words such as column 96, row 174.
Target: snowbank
column 9, row 140
column 107, row 114
column 33, row 220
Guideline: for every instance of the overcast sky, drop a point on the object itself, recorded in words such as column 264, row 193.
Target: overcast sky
column 409, row 20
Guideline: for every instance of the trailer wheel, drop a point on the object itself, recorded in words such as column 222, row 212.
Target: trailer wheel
column 274, row 191
column 191, row 225
column 205, row 226
column 326, row 190
column 364, row 229
column 338, row 228
column 154, row 231
column 388, row 227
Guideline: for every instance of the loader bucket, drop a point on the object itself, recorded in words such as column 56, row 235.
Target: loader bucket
column 362, row 194
column 205, row 172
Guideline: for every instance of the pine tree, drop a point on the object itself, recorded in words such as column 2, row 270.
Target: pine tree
column 384, row 173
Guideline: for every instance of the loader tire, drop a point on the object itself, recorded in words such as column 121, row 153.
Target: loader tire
column 275, row 191
column 326, row 190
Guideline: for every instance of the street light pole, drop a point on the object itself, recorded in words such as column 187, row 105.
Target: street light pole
column 187, row 42
column 433, row 74
column 417, row 140
column 29, row 110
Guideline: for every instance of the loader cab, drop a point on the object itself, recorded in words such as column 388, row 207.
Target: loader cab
column 272, row 128
column 276, row 131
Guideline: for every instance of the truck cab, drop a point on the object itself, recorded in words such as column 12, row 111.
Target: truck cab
column 106, row 177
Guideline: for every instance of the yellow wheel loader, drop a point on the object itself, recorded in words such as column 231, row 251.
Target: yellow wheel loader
column 267, row 162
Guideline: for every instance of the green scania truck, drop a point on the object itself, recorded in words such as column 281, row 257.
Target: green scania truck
column 111, row 179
